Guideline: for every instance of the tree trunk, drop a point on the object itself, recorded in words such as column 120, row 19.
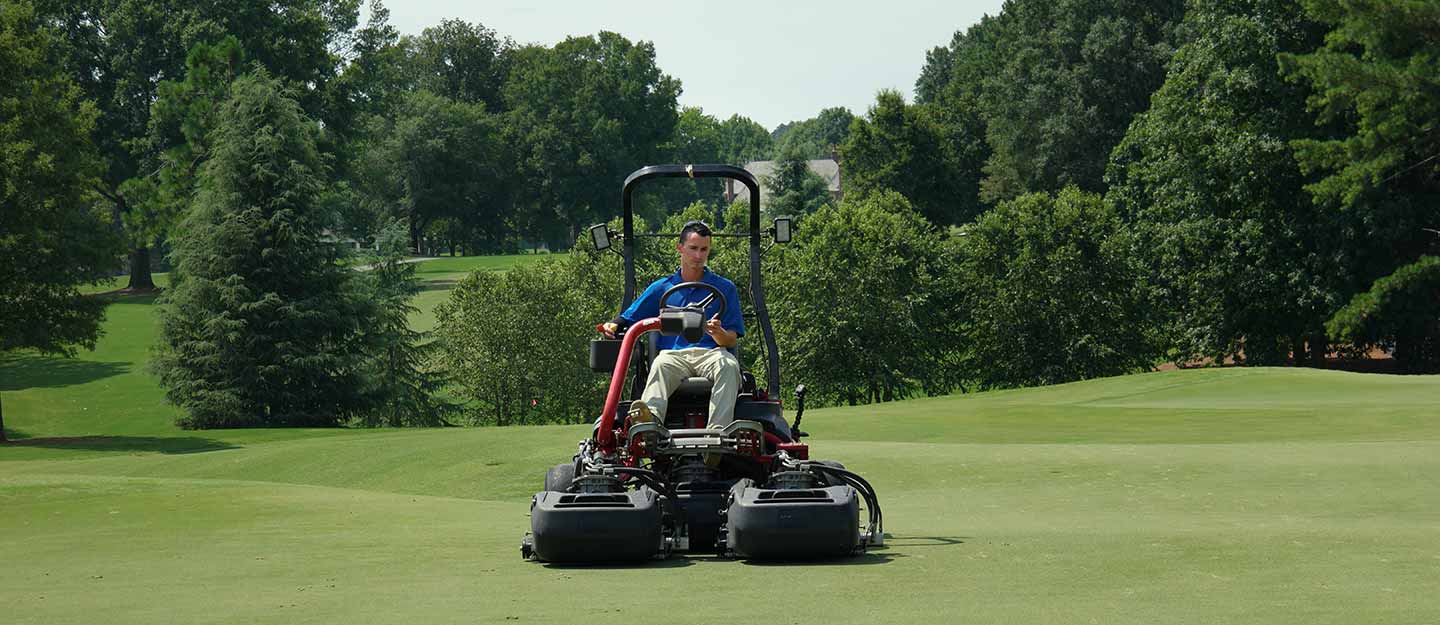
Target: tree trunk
column 140, row 278
column 1318, row 348
column 2, row 424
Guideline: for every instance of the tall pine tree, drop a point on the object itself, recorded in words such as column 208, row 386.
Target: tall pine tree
column 261, row 326
column 402, row 384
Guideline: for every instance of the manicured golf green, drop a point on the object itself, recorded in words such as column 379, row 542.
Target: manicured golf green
column 1205, row 496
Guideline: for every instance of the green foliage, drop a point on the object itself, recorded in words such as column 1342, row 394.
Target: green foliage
column 950, row 86
column 1237, row 254
column 439, row 158
column 1380, row 70
column 1048, row 294
column 697, row 137
column 260, row 326
column 851, row 302
column 585, row 114
column 794, row 189
column 374, row 75
column 517, row 341
column 1378, row 75
column 120, row 52
column 1399, row 314
column 898, row 147
column 815, row 138
column 743, row 140
column 461, row 61
column 53, row 239
column 177, row 140
column 1051, row 85
column 697, row 140
column 401, row 382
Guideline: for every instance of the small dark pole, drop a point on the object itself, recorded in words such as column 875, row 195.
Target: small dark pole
column 2, row 424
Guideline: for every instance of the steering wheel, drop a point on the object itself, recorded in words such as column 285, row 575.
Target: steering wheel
column 715, row 291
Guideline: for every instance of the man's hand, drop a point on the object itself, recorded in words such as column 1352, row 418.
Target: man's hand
column 608, row 329
column 723, row 337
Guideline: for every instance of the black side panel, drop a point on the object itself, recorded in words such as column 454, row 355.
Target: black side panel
column 603, row 354
column 768, row 413
column 599, row 527
column 792, row 524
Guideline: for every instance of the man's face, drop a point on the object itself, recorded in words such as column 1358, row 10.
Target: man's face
column 694, row 252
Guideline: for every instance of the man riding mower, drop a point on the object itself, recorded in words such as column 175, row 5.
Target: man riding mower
column 705, row 461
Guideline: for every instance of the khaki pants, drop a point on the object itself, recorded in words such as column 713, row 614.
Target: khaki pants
column 671, row 367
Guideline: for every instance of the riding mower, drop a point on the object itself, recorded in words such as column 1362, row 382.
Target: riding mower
column 642, row 490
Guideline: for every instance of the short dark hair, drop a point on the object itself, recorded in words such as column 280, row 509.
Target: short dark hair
column 696, row 226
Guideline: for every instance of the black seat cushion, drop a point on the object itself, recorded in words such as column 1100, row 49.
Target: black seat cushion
column 694, row 387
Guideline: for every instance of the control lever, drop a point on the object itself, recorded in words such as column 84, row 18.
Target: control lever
column 799, row 412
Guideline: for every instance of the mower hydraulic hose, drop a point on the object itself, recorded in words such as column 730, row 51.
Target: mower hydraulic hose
column 617, row 382
column 652, row 479
column 866, row 490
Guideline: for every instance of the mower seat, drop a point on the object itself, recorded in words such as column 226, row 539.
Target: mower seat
column 694, row 388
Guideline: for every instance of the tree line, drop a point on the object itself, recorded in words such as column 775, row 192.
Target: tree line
column 1270, row 166
column 1077, row 189
column 1080, row 190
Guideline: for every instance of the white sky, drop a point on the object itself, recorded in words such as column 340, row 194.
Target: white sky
column 774, row 62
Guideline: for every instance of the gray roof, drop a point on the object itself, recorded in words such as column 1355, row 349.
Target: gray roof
column 826, row 168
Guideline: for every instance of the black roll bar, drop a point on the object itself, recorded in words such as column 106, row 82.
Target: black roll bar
column 757, row 291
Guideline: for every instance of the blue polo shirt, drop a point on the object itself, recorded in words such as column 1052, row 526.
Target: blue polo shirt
column 648, row 305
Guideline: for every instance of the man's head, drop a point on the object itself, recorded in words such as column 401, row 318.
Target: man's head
column 694, row 246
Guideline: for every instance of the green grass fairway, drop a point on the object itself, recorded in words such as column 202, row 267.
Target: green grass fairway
column 1210, row 496
column 439, row 275
column 107, row 395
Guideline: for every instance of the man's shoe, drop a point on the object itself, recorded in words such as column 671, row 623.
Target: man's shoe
column 640, row 412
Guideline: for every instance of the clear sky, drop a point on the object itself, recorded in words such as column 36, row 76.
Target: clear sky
column 774, row 61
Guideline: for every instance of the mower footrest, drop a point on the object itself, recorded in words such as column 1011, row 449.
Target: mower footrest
column 596, row 527
column 788, row 524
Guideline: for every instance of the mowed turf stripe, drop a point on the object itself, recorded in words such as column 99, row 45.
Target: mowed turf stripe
column 499, row 463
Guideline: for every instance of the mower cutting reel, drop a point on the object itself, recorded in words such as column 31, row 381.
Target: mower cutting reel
column 635, row 491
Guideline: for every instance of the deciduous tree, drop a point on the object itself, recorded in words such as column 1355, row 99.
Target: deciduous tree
column 1066, row 80
column 53, row 240
column 121, row 51
column 1048, row 294
column 1239, row 255
column 898, row 147
column 818, row 137
column 853, row 314
column 743, row 140
column 587, row 112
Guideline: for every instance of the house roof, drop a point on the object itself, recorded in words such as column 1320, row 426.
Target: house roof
column 826, row 168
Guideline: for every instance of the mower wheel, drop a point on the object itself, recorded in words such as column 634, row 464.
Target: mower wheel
column 560, row 476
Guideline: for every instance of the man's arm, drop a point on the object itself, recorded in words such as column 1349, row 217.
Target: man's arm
column 642, row 308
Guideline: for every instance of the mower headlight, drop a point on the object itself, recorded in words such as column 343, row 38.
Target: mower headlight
column 600, row 236
column 782, row 229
